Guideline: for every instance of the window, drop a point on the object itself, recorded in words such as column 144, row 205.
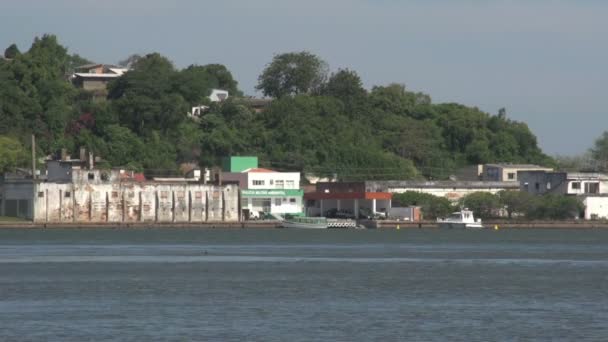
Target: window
column 290, row 184
column 511, row 175
column 67, row 194
column 271, row 182
column 279, row 184
column 592, row 188
column 548, row 185
column 258, row 182
column 537, row 186
column 115, row 194
column 277, row 201
column 292, row 200
column 91, row 176
column 40, row 194
column 576, row 185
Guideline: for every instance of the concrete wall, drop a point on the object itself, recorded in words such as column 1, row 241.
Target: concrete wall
column 129, row 202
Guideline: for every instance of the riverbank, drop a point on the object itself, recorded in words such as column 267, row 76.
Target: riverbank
column 141, row 225
column 268, row 224
column 500, row 224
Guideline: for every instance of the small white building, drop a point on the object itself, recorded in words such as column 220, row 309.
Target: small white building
column 596, row 207
column 217, row 95
column 506, row 172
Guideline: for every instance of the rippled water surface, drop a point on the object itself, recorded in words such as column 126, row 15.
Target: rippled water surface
column 296, row 285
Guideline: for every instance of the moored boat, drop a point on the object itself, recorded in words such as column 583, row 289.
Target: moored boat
column 305, row 222
column 460, row 219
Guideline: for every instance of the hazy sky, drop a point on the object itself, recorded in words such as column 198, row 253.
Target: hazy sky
column 545, row 61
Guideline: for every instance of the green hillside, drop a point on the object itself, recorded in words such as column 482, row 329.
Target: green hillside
column 318, row 122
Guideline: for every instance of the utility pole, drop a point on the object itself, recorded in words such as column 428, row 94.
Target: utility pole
column 33, row 156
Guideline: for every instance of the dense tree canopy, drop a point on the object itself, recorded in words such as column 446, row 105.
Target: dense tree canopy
column 12, row 51
column 12, row 154
column 293, row 73
column 324, row 125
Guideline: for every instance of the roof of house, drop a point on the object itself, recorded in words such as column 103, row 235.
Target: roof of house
column 87, row 75
column 118, row 71
column 258, row 169
column 518, row 166
column 94, row 65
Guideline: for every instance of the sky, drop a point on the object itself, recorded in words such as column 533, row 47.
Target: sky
column 544, row 61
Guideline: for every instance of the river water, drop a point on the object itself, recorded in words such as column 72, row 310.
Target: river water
column 297, row 285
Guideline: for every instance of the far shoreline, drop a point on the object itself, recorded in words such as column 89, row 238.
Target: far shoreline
column 380, row 225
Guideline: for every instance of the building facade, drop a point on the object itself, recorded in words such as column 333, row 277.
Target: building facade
column 346, row 197
column 263, row 191
column 508, row 172
column 563, row 183
column 452, row 190
column 95, row 77
column 99, row 196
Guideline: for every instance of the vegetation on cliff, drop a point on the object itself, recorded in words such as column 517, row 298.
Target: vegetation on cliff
column 318, row 122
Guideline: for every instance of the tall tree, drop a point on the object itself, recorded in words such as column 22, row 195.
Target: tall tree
column 599, row 151
column 293, row 73
column 345, row 85
column 12, row 51
column 12, row 154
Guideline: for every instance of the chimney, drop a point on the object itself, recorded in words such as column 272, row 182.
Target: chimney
column 91, row 162
column 217, row 175
column 83, row 154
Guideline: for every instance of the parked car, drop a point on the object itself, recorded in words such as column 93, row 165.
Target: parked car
column 339, row 214
column 368, row 214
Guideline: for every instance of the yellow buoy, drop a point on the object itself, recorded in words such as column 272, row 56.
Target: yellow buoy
column 398, row 227
column 495, row 227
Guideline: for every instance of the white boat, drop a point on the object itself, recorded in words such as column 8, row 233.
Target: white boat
column 460, row 219
column 305, row 222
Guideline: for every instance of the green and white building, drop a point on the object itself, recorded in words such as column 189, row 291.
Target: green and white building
column 264, row 190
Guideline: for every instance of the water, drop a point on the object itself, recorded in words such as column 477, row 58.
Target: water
column 295, row 285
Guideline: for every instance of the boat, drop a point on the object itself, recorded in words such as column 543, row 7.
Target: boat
column 460, row 219
column 305, row 222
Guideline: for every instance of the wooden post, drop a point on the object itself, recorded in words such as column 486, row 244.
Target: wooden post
column 172, row 205
column 33, row 156
column 141, row 206
column 60, row 205
column 189, row 206
column 46, row 211
column 156, row 207
column 206, row 206
column 107, row 207
column 123, row 206
column 223, row 207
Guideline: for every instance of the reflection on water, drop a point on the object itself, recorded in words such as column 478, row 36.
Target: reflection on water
column 277, row 285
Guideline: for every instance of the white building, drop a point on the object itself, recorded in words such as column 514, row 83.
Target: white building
column 596, row 207
column 217, row 95
column 263, row 190
column 563, row 183
column 452, row 190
